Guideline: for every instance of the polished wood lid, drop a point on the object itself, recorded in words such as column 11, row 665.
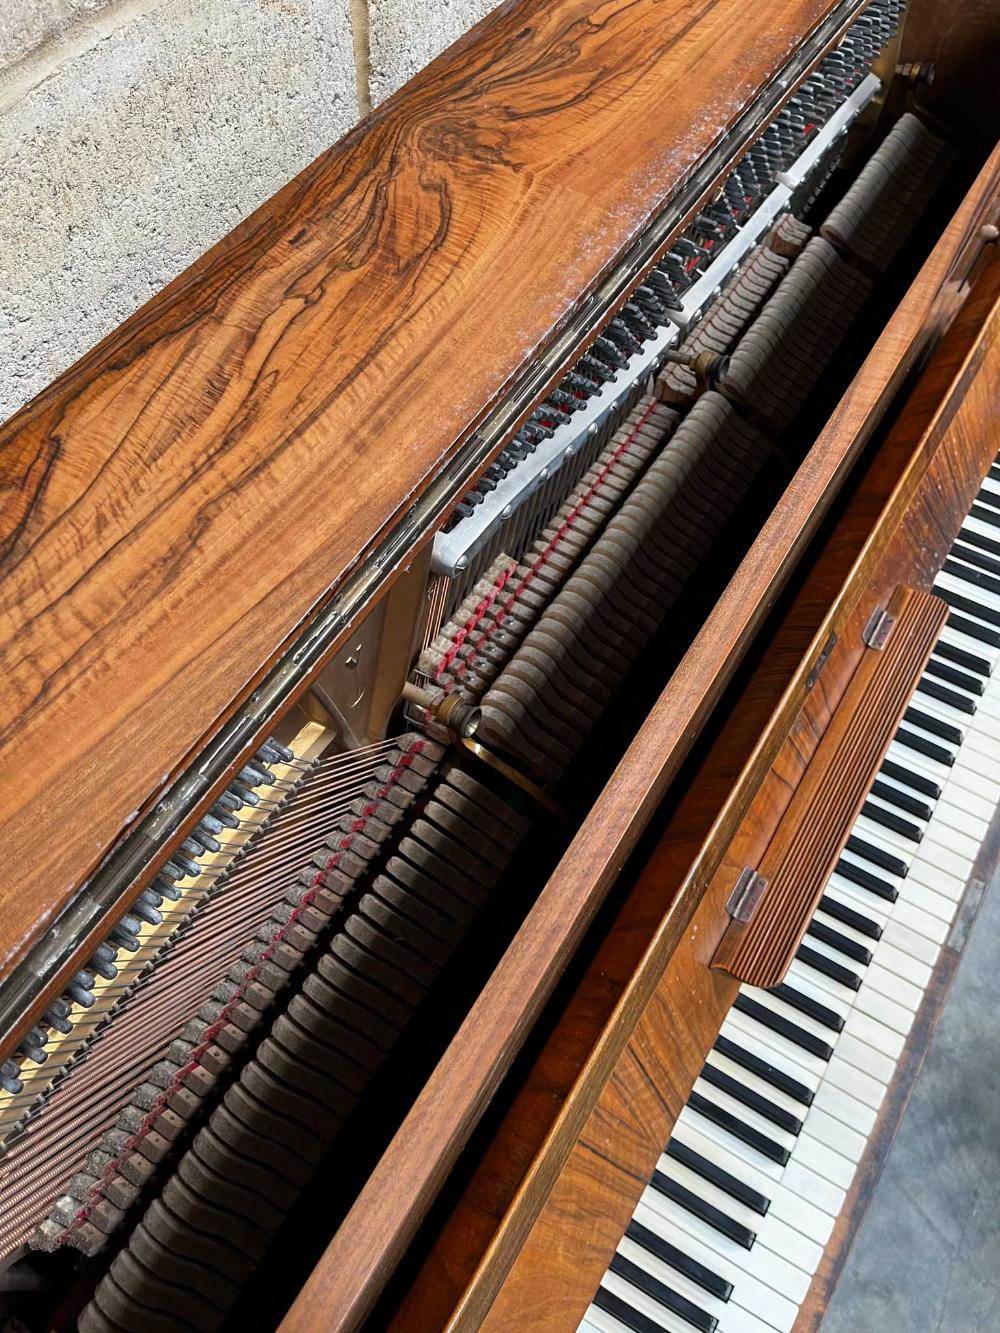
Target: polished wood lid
column 179, row 503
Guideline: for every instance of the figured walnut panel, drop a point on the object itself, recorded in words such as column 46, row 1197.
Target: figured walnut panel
column 181, row 500
column 806, row 844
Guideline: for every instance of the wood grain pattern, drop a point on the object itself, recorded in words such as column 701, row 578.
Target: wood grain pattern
column 829, row 794
column 940, row 476
column 177, row 505
column 396, row 1197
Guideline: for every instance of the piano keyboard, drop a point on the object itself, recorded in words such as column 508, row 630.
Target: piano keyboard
column 743, row 1200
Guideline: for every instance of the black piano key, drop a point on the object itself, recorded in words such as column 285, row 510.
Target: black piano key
column 994, row 472
column 745, row 1133
column 784, row 1027
column 829, row 967
column 633, row 1319
column 964, row 550
column 945, row 731
column 715, row 1175
column 683, row 1263
column 933, row 689
column 970, row 661
column 701, row 1208
column 921, row 745
column 964, row 680
column 985, row 514
column 890, row 820
column 909, row 777
column 847, row 916
column 902, row 800
column 663, row 1295
column 819, row 930
column 819, row 1013
column 777, row 1115
column 973, row 630
column 974, row 576
column 988, row 497
column 866, row 880
column 764, row 1069
column 877, row 856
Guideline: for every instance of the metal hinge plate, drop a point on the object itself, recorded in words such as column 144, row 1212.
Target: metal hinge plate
column 821, row 661
column 878, row 629
column 746, row 895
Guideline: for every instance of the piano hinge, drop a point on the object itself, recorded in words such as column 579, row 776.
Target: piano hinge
column 878, row 629
column 746, row 895
column 821, row 661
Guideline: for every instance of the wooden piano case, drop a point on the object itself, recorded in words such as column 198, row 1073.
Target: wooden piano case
column 545, row 1201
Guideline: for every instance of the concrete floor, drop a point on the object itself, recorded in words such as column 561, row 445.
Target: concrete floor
column 926, row 1258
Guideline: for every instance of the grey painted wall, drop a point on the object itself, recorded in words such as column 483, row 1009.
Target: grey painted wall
column 135, row 133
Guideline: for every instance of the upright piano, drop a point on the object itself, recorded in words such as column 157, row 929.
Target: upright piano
column 499, row 695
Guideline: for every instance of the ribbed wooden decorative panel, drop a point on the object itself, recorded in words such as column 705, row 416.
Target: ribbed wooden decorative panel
column 815, row 827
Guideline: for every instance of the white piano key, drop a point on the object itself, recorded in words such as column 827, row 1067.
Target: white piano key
column 805, row 1184
column 903, row 964
column 860, row 1085
column 736, row 1147
column 773, row 1270
column 737, row 1319
column 819, row 1156
column 849, row 894
column 755, row 1083
column 750, row 1292
column 802, row 976
column 725, row 1160
column 802, row 1215
column 901, row 992
column 918, row 894
column 758, row 1043
column 862, row 900
column 910, row 943
column 979, row 764
column 744, row 1114
column 638, row 1300
column 793, row 1015
column 952, row 812
column 883, row 837
column 916, row 919
column 955, row 857
column 839, row 1104
column 786, row 1052
column 875, row 1034
column 831, row 952
column 981, row 596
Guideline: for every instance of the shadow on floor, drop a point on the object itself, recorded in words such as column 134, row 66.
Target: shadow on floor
column 927, row 1256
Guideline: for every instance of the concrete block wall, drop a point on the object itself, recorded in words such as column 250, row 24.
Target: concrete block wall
column 135, row 133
